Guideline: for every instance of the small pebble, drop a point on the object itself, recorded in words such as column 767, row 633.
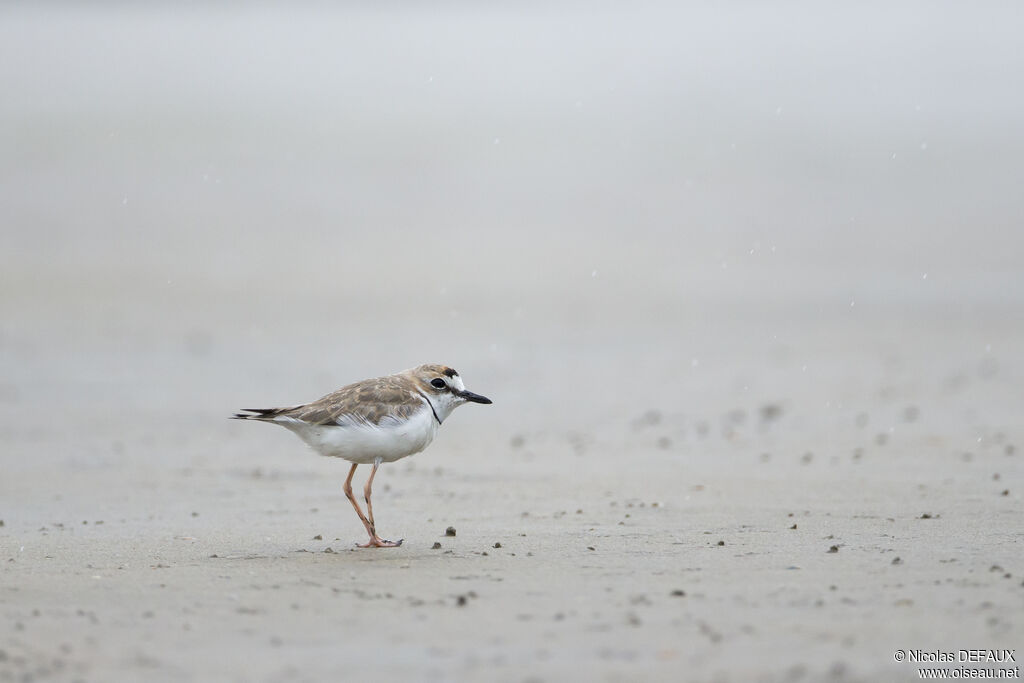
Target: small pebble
column 771, row 411
column 678, row 593
column 897, row 560
column 436, row 546
column 793, row 527
column 834, row 549
column 461, row 601
column 318, row 537
column 721, row 543
column 450, row 531
column 497, row 545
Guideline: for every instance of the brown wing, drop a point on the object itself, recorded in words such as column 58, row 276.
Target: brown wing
column 371, row 401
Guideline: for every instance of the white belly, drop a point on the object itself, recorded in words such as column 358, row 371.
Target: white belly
column 363, row 443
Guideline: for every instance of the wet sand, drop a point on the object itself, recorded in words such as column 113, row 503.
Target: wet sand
column 754, row 351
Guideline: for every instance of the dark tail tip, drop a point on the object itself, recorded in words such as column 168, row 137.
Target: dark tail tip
column 257, row 413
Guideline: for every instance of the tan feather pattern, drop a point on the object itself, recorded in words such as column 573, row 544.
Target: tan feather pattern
column 369, row 401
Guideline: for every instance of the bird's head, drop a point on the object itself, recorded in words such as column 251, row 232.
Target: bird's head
column 444, row 389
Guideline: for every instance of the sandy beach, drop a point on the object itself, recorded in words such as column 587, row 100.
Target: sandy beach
column 745, row 287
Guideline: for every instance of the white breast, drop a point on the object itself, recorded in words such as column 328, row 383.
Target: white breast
column 363, row 442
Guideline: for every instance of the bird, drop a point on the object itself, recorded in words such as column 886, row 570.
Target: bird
column 374, row 421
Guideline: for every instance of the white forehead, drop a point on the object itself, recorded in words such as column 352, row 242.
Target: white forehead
column 456, row 382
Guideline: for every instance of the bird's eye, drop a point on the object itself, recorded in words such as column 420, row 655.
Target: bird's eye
column 438, row 383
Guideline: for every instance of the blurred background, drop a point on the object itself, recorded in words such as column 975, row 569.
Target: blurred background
column 587, row 210
column 717, row 265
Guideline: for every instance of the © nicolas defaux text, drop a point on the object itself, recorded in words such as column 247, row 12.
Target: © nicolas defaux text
column 962, row 656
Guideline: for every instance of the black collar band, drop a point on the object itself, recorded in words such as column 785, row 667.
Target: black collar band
column 431, row 406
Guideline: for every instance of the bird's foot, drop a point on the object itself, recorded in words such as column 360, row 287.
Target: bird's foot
column 377, row 542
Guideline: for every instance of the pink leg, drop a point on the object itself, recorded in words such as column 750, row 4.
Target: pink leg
column 347, row 488
column 375, row 540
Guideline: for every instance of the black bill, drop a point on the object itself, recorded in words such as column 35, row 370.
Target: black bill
column 475, row 398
